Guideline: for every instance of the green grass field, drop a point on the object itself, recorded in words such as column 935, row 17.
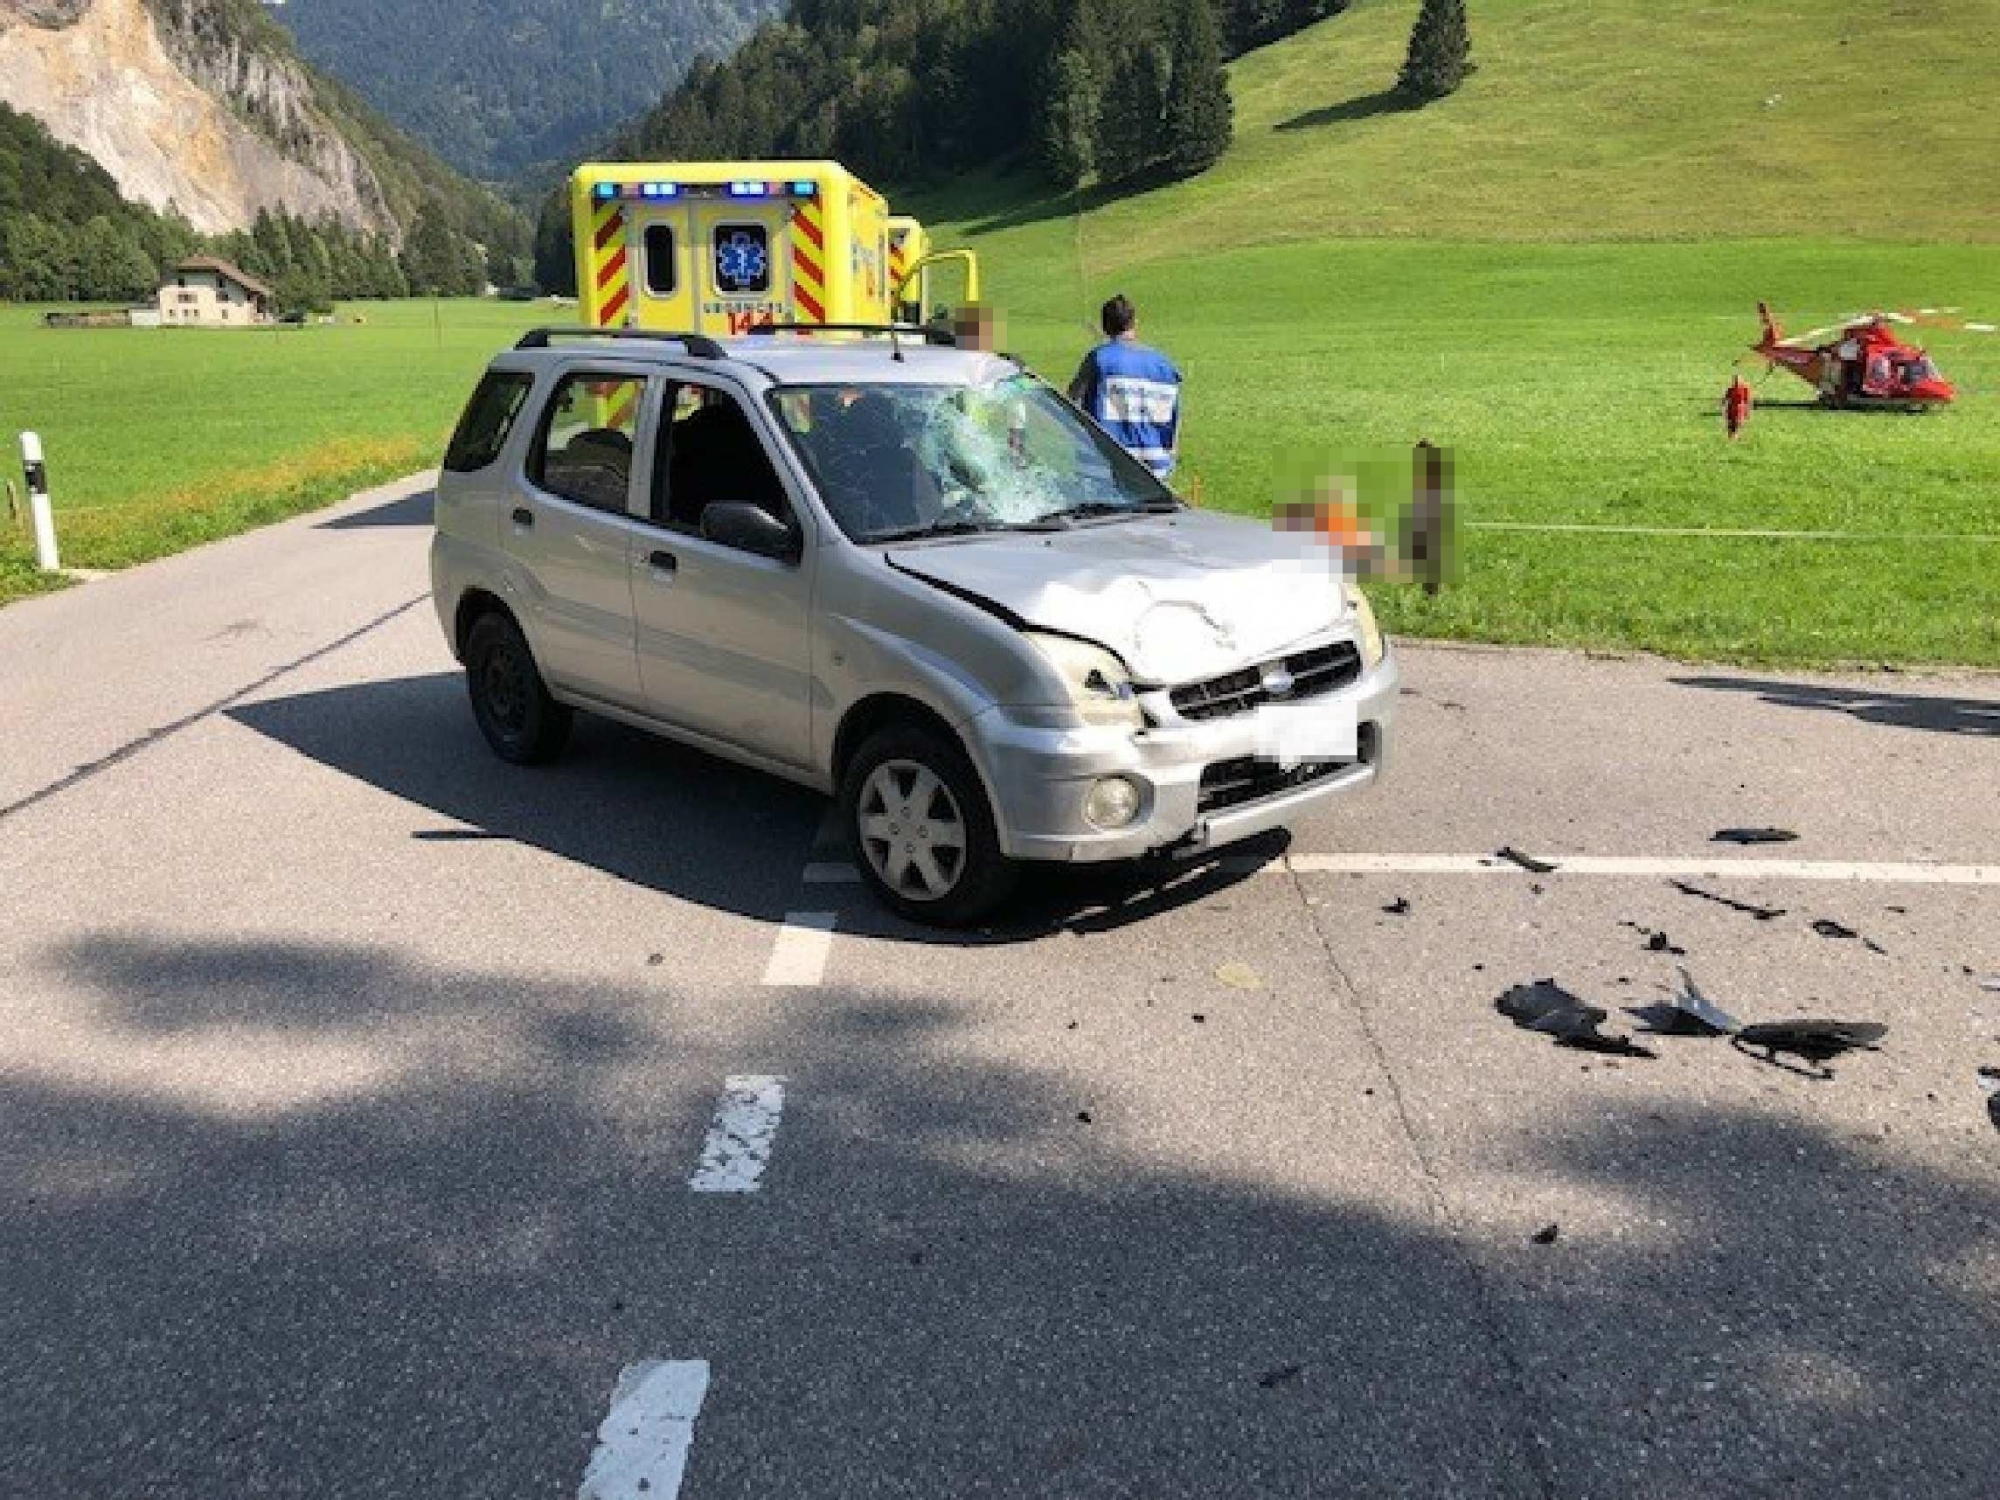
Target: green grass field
column 158, row 439
column 1552, row 272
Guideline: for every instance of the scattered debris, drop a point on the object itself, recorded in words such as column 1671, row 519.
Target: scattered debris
column 1283, row 1375
column 1536, row 888
column 1748, row 908
column 1199, row 1018
column 1547, row 1007
column 1083, row 1117
column 1688, row 1013
column 1546, row 1235
column 1828, row 928
column 1527, row 862
column 1815, row 1041
column 654, row 960
column 1070, row 1027
column 1240, row 977
column 1657, row 942
column 1400, row 907
column 1753, row 836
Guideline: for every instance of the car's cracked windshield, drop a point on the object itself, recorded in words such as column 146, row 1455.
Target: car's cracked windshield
column 897, row 462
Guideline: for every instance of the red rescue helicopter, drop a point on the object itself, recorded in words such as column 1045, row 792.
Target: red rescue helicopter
column 1864, row 365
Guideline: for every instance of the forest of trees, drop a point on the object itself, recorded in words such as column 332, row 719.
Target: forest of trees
column 910, row 91
column 68, row 235
column 904, row 90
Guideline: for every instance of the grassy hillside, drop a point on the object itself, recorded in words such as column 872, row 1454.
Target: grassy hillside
column 1600, row 119
column 1553, row 272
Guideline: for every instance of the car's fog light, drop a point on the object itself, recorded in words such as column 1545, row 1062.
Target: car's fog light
column 1113, row 803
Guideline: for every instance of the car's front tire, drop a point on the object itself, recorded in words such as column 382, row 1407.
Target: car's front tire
column 922, row 830
column 519, row 718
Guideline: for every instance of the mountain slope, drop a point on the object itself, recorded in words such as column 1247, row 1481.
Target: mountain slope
column 204, row 109
column 498, row 85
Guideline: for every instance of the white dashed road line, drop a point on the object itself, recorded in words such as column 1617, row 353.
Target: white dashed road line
column 798, row 959
column 738, row 1148
column 642, row 1446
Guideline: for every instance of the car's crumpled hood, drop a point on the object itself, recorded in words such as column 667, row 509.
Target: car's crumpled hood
column 1178, row 597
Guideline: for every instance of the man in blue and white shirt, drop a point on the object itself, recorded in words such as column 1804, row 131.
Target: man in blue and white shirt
column 1133, row 391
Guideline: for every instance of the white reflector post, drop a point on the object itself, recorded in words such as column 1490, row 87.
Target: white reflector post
column 43, row 515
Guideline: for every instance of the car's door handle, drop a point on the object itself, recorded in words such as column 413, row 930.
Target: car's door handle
column 663, row 564
column 523, row 517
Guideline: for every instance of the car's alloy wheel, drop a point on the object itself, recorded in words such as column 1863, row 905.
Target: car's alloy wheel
column 912, row 831
column 922, row 827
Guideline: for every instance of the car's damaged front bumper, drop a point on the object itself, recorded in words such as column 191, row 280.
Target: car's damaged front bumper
column 1201, row 785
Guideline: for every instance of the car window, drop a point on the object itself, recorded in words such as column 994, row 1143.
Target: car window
column 710, row 453
column 584, row 452
column 489, row 417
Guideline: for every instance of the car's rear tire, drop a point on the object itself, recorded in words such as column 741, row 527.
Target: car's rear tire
column 520, row 720
column 922, row 830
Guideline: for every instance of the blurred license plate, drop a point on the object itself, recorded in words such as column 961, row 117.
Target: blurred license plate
column 1293, row 736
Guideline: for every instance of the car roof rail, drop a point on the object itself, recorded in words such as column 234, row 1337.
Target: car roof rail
column 699, row 345
column 940, row 338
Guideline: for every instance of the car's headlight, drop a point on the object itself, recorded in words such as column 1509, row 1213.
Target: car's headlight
column 1099, row 687
column 1366, row 626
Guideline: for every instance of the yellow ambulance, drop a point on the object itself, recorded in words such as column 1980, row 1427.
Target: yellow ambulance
column 722, row 247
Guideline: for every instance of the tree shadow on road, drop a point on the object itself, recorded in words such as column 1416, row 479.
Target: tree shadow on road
column 671, row 819
column 405, row 1250
column 1978, row 716
column 408, row 510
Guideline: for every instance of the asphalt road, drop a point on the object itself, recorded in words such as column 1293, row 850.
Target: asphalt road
column 352, row 1085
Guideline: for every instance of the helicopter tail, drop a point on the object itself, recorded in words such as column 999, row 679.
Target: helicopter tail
column 1773, row 334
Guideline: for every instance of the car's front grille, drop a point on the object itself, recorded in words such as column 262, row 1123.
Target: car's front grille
column 1324, row 669
column 1235, row 783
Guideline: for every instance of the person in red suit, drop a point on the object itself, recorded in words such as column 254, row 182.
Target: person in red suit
column 1736, row 406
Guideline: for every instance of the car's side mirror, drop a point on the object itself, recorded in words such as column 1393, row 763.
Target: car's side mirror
column 750, row 528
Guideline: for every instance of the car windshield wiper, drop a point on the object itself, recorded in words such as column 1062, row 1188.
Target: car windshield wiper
column 1094, row 509
column 956, row 528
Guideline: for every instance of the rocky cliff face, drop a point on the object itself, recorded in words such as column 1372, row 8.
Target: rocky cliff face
column 187, row 110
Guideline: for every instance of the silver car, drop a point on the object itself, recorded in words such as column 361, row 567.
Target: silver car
column 912, row 576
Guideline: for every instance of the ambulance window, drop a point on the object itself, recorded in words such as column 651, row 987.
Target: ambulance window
column 662, row 276
column 742, row 261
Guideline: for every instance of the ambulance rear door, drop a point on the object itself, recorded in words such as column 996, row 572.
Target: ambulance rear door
column 668, row 265
column 744, row 269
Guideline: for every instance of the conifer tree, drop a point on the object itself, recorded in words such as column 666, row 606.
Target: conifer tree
column 1440, row 53
column 1200, row 115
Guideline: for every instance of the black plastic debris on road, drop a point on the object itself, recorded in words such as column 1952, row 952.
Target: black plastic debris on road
column 1687, row 1013
column 1816, row 1042
column 1400, row 907
column 1753, row 836
column 1547, row 1007
column 1826, row 927
column 1547, row 1234
column 1283, row 1375
column 1748, row 908
column 1657, row 942
column 1527, row 862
